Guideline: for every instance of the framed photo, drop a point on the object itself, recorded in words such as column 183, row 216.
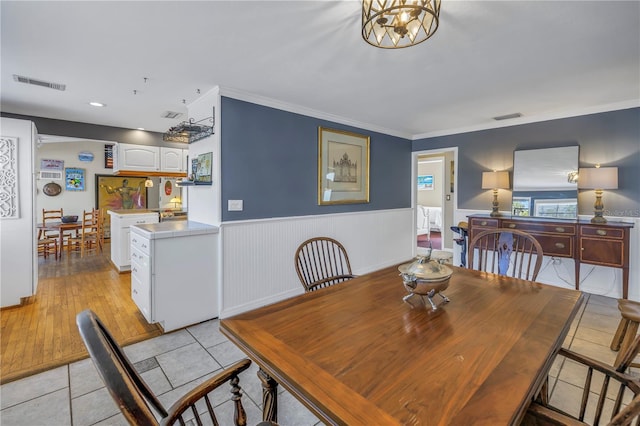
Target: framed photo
column 118, row 193
column 203, row 171
column 74, row 179
column 425, row 182
column 343, row 167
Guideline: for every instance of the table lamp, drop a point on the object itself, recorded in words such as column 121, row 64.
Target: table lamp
column 175, row 201
column 495, row 180
column 598, row 178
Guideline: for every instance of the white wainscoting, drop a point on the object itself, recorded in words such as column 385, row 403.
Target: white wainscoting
column 257, row 265
column 594, row 279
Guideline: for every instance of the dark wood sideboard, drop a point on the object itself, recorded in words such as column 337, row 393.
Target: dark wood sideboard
column 604, row 244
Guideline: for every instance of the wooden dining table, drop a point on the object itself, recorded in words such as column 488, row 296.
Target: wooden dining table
column 356, row 354
column 60, row 228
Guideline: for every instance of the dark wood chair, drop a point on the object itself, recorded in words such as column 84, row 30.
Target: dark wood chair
column 322, row 262
column 134, row 398
column 627, row 328
column 506, row 252
column 88, row 239
column 614, row 392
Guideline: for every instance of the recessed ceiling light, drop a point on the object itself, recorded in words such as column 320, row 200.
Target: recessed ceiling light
column 140, row 128
column 97, row 104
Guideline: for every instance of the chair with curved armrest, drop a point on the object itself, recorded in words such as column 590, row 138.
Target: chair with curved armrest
column 609, row 396
column 135, row 399
column 506, row 252
column 322, row 262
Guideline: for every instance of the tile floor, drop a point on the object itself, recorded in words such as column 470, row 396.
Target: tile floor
column 173, row 363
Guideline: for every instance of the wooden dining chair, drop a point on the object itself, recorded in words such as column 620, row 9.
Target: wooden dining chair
column 134, row 397
column 609, row 396
column 506, row 252
column 99, row 214
column 88, row 238
column 47, row 246
column 322, row 262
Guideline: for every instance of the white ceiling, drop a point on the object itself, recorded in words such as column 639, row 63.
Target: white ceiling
column 488, row 58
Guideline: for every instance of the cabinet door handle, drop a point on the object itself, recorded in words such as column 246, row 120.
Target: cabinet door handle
column 560, row 245
column 601, row 232
column 144, row 246
column 135, row 270
column 133, row 240
column 135, row 291
column 512, row 225
column 483, row 223
column 559, row 229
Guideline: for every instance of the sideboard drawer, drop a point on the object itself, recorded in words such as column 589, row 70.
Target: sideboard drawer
column 556, row 245
column 550, row 228
column 602, row 231
column 484, row 223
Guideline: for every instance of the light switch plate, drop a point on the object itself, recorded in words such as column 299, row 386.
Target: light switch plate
column 235, row 205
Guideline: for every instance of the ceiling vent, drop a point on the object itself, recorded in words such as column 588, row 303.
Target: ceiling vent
column 171, row 114
column 508, row 116
column 35, row 82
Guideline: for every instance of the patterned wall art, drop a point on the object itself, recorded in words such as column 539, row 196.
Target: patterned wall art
column 9, row 178
column 74, row 179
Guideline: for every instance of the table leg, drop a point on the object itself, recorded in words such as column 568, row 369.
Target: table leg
column 269, row 397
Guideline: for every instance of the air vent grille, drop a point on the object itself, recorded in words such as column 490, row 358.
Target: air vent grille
column 171, row 114
column 41, row 83
column 55, row 175
column 508, row 116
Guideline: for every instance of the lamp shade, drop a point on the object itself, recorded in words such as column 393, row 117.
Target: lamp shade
column 598, row 178
column 175, row 200
column 495, row 180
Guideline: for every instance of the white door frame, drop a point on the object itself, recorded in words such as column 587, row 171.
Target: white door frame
column 447, row 212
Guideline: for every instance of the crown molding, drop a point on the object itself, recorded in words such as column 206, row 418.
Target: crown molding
column 633, row 103
column 297, row 109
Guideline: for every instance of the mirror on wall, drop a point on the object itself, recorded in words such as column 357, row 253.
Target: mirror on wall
column 545, row 182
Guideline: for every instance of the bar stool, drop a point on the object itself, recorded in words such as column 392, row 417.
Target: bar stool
column 627, row 328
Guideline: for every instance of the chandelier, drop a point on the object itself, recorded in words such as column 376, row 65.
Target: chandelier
column 393, row 24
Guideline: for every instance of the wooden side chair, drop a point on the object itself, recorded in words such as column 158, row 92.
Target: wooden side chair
column 54, row 215
column 506, row 252
column 627, row 328
column 99, row 214
column 609, row 395
column 322, row 262
column 88, row 238
column 47, row 246
column 136, row 400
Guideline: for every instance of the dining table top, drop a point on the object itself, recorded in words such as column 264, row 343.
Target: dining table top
column 355, row 353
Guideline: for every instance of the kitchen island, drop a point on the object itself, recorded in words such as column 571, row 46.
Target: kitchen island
column 121, row 220
column 173, row 272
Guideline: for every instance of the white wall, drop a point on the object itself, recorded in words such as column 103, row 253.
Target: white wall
column 258, row 255
column 18, row 263
column 73, row 202
column 431, row 166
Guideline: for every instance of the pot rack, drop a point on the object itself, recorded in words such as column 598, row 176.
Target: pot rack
column 190, row 131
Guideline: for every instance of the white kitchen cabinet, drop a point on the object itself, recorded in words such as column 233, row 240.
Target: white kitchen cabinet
column 136, row 158
column 121, row 221
column 173, row 272
column 171, row 160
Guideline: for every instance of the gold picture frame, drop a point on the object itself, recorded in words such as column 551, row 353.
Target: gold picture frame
column 343, row 167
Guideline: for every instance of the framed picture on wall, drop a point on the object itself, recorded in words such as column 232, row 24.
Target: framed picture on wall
column 425, row 182
column 343, row 167
column 74, row 179
column 119, row 193
column 204, row 167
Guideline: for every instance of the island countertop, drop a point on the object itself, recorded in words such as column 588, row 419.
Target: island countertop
column 131, row 211
column 173, row 229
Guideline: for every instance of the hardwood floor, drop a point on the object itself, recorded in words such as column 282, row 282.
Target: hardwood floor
column 42, row 333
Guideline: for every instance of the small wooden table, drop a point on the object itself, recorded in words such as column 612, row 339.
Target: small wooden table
column 355, row 353
column 60, row 228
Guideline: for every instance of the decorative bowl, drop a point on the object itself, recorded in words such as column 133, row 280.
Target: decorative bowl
column 425, row 277
column 69, row 219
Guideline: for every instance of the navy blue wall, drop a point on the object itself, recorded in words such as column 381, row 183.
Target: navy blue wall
column 269, row 160
column 610, row 138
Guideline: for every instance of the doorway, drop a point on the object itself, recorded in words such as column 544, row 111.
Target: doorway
column 433, row 195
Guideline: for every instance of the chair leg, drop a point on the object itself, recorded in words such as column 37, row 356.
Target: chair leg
column 629, row 337
column 620, row 332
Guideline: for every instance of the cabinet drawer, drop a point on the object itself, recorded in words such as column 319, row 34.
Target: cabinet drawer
column 602, row 251
column 556, row 245
column 140, row 258
column 139, row 219
column 140, row 243
column 551, row 228
column 601, row 231
column 484, row 223
column 141, row 295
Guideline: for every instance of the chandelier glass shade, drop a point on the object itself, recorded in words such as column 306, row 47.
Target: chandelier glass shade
column 394, row 24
